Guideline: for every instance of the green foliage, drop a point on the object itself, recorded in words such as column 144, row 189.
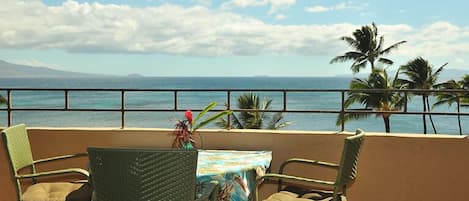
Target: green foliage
column 206, row 121
column 376, row 101
column 3, row 100
column 454, row 97
column 254, row 119
column 368, row 48
column 420, row 75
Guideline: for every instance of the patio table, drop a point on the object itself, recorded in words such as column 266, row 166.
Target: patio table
column 236, row 171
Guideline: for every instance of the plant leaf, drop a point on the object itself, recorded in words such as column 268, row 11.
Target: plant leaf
column 210, row 119
column 205, row 110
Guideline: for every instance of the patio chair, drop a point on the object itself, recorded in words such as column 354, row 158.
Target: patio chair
column 18, row 147
column 125, row 174
column 346, row 172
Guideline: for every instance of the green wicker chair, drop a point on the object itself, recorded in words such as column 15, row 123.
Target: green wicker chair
column 125, row 174
column 346, row 172
column 19, row 150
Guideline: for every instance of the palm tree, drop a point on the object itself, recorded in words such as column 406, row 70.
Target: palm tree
column 368, row 48
column 420, row 75
column 3, row 100
column 254, row 119
column 377, row 101
column 453, row 97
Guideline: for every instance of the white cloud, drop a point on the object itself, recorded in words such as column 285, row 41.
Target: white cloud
column 459, row 60
column 36, row 63
column 275, row 5
column 339, row 6
column 280, row 17
column 198, row 31
column 317, row 9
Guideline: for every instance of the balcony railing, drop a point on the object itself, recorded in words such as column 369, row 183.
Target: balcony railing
column 228, row 105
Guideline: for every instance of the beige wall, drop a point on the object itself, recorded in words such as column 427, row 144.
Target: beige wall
column 391, row 167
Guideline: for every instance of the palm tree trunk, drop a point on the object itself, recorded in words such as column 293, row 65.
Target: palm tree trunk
column 430, row 116
column 459, row 116
column 387, row 125
column 423, row 115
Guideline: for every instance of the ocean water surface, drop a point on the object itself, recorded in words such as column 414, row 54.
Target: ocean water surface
column 197, row 100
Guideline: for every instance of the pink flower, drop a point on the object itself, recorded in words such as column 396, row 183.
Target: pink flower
column 188, row 115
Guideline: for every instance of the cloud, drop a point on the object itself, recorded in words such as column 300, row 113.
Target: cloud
column 205, row 3
column 317, row 9
column 199, row 31
column 440, row 39
column 36, row 63
column 275, row 5
column 320, row 9
column 166, row 29
column 280, row 17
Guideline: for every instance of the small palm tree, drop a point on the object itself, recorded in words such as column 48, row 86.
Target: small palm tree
column 454, row 97
column 254, row 119
column 368, row 48
column 377, row 101
column 3, row 100
column 420, row 75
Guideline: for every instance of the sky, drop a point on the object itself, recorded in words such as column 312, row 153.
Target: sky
column 225, row 38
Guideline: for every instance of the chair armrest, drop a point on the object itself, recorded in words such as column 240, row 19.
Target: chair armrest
column 208, row 191
column 307, row 161
column 304, row 161
column 271, row 176
column 60, row 157
column 54, row 172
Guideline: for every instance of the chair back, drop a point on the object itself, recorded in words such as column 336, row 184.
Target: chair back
column 348, row 164
column 17, row 145
column 125, row 174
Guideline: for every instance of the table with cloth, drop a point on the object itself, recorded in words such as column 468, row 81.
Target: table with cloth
column 236, row 171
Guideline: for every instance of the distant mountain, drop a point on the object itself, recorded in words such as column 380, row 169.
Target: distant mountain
column 16, row 70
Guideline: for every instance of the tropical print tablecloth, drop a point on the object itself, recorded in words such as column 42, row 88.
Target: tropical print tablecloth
column 236, row 171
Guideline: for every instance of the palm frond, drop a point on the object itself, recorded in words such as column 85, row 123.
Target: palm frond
column 3, row 100
column 346, row 57
column 392, row 47
column 350, row 41
column 357, row 65
column 438, row 71
column 351, row 116
column 276, row 123
column 385, row 61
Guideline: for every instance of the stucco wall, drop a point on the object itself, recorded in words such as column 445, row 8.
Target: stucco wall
column 391, row 167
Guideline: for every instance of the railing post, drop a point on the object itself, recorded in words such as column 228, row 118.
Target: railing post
column 228, row 107
column 405, row 101
column 122, row 108
column 342, row 112
column 66, row 106
column 284, row 100
column 175, row 100
column 9, row 107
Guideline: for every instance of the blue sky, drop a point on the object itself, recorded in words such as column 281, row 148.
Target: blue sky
column 224, row 38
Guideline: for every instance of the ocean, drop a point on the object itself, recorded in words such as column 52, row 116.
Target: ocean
column 191, row 100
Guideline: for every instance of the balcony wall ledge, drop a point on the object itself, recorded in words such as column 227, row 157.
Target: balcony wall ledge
column 398, row 166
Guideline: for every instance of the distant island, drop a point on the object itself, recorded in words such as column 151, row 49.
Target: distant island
column 135, row 75
column 16, row 70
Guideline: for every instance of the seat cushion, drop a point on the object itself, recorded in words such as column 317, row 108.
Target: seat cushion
column 57, row 191
column 285, row 196
column 313, row 195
